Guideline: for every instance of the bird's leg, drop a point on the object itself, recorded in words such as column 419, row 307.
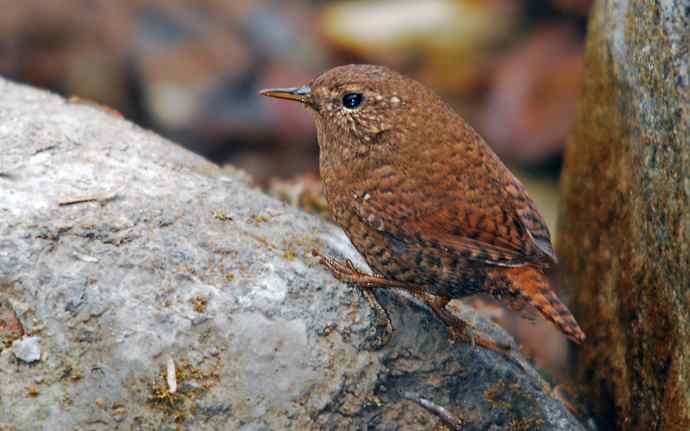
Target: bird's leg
column 460, row 329
column 346, row 272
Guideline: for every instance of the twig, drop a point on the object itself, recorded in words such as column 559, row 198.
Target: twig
column 448, row 419
column 171, row 376
column 93, row 198
column 46, row 148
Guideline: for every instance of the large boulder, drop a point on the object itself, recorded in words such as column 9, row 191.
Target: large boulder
column 624, row 236
column 129, row 266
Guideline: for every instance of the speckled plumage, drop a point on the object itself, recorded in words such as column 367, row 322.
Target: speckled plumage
column 423, row 198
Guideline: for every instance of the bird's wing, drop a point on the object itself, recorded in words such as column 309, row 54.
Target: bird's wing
column 496, row 225
column 528, row 215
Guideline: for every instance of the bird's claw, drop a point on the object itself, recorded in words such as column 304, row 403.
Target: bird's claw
column 346, row 272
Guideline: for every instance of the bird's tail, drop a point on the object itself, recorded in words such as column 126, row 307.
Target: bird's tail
column 532, row 285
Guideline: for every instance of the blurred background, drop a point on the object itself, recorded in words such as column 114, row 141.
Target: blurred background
column 190, row 70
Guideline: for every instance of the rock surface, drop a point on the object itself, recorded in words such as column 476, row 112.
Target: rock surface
column 125, row 253
column 624, row 237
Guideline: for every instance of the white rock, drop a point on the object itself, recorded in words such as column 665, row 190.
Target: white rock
column 28, row 349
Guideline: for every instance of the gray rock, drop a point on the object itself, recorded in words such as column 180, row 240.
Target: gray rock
column 28, row 349
column 180, row 259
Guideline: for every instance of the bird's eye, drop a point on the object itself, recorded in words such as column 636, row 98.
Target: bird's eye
column 352, row 100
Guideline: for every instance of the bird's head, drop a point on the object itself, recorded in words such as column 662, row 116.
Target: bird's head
column 355, row 101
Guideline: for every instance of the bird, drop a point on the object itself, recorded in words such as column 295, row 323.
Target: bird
column 425, row 200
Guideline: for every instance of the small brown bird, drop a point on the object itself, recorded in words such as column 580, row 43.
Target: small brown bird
column 424, row 199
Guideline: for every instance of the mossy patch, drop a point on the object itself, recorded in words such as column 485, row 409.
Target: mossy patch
column 192, row 384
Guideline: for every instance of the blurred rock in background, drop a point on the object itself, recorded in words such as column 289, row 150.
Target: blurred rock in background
column 191, row 70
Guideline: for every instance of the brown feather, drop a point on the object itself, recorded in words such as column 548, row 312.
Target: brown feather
column 422, row 196
column 532, row 285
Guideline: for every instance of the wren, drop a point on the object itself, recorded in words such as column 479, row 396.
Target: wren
column 424, row 199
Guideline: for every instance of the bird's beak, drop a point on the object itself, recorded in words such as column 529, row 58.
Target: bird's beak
column 300, row 94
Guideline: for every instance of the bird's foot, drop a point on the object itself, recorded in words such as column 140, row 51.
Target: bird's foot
column 462, row 330
column 346, row 272
column 467, row 333
column 383, row 327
